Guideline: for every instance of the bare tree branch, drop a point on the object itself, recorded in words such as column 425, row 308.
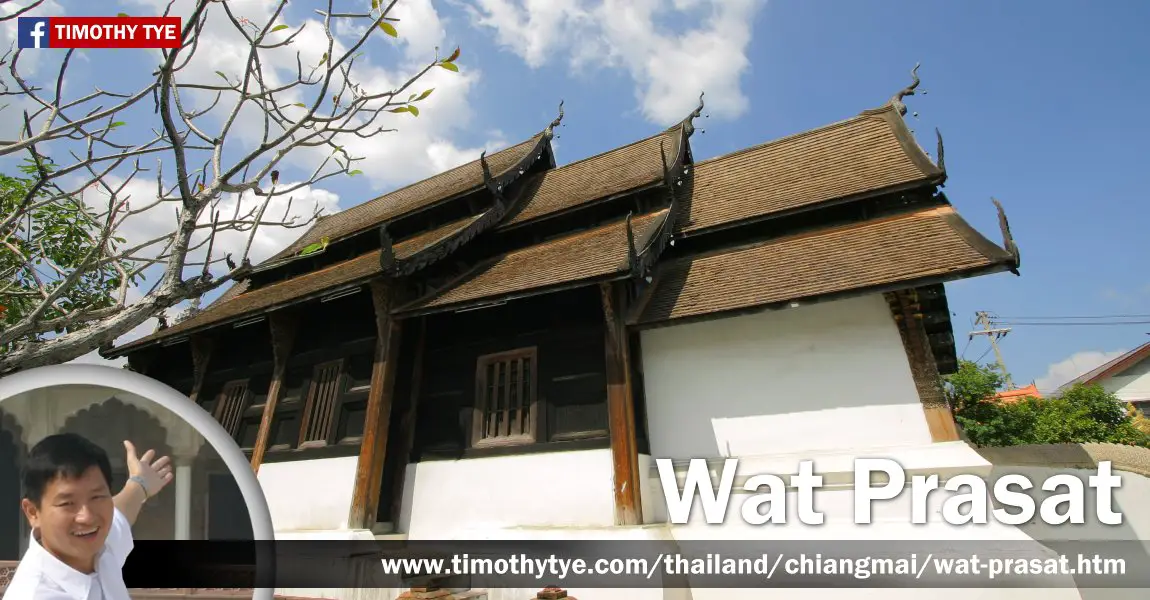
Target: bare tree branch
column 121, row 234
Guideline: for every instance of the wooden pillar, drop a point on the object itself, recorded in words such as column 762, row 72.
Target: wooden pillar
column 907, row 314
column 407, row 425
column 201, row 354
column 283, row 325
column 373, row 449
column 621, row 408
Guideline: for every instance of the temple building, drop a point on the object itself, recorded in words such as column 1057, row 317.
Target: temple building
column 510, row 344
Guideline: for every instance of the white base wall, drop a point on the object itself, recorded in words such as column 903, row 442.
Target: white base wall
column 820, row 377
column 457, row 498
column 309, row 495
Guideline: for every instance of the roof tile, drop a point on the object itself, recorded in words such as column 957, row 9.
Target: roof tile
column 872, row 151
column 904, row 248
column 594, row 253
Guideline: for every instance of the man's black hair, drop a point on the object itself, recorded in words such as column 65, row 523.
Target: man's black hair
column 62, row 455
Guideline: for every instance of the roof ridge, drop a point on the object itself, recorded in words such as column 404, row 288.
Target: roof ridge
column 606, row 152
column 439, row 173
column 866, row 114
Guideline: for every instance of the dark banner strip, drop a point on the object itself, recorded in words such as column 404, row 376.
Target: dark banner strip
column 627, row 564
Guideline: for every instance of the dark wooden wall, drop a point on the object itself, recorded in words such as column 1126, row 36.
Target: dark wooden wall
column 567, row 331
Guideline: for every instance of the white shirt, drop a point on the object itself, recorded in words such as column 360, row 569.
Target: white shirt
column 41, row 576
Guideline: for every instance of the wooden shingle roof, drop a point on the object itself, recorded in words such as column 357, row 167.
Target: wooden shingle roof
column 624, row 169
column 907, row 249
column 575, row 258
column 419, row 195
column 873, row 152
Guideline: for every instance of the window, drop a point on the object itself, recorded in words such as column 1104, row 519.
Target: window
column 323, row 396
column 230, row 404
column 506, row 408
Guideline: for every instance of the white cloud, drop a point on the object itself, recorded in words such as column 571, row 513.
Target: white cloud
column 420, row 146
column 1077, row 364
column 669, row 68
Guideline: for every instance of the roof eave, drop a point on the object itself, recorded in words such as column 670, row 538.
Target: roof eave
column 635, row 323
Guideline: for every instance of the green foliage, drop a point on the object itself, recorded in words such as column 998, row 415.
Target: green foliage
column 1081, row 414
column 57, row 233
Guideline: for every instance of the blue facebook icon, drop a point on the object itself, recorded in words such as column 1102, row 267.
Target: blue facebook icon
column 32, row 32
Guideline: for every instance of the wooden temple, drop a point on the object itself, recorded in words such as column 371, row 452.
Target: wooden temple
column 512, row 308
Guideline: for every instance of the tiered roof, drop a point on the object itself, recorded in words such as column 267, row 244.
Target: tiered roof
column 618, row 215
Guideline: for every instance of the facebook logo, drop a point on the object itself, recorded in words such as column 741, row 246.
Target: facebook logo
column 32, row 32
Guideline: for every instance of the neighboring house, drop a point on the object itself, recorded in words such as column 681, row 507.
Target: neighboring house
column 1016, row 395
column 503, row 349
column 1127, row 377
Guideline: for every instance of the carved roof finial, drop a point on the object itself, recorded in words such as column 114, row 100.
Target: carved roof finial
column 488, row 180
column 1007, row 238
column 550, row 131
column 688, row 123
column 386, row 251
column 896, row 100
column 941, row 151
column 666, row 167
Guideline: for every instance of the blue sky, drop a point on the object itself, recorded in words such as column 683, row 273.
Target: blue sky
column 1040, row 105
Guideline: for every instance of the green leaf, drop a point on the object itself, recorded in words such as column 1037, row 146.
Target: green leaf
column 221, row 74
column 425, row 94
column 279, row 28
column 389, row 29
column 117, row 124
column 449, row 66
column 121, row 14
column 400, row 109
column 374, row 4
column 323, row 59
column 413, row 110
column 356, row 172
column 300, row 104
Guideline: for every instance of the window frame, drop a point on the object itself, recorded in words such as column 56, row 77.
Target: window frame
column 535, row 420
column 310, row 412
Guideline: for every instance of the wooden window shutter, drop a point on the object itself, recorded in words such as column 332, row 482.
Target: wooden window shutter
column 505, row 403
column 322, row 399
column 230, row 405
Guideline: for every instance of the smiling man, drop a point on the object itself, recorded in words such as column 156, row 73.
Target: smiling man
column 81, row 533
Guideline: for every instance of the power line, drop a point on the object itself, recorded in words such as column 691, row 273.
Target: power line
column 1081, row 317
column 983, row 318
column 1059, row 324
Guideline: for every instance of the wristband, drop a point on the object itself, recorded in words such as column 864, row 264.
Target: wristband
column 140, row 480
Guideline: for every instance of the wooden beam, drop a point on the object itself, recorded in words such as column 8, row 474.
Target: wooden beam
column 621, row 408
column 283, row 325
column 201, row 354
column 373, row 449
column 407, row 425
column 908, row 316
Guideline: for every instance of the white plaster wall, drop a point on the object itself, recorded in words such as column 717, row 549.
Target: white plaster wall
column 1131, row 500
column 1132, row 385
column 444, row 499
column 309, row 495
column 819, row 377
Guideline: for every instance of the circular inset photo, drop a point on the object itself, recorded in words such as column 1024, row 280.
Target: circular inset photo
column 94, row 459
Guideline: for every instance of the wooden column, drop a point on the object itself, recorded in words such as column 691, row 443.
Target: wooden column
column 283, row 325
column 621, row 408
column 373, row 449
column 407, row 425
column 907, row 314
column 201, row 354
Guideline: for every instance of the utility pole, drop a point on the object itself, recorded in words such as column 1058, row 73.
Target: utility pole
column 983, row 318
